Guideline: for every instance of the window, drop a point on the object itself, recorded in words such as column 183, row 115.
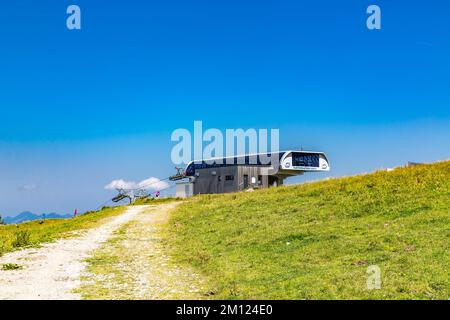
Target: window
column 305, row 159
column 229, row 178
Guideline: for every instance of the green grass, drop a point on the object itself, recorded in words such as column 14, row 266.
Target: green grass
column 316, row 240
column 33, row 233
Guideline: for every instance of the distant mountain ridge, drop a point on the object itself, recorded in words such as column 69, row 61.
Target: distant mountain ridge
column 29, row 216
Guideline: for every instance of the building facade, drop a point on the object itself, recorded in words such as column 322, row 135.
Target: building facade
column 224, row 175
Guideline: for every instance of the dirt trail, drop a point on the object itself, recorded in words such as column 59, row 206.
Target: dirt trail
column 53, row 271
column 134, row 264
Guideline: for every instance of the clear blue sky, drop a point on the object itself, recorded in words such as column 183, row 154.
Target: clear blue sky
column 81, row 108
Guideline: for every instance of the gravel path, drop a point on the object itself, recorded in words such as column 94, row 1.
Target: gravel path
column 53, row 271
column 135, row 264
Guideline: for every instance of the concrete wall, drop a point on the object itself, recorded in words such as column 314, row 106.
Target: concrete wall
column 185, row 189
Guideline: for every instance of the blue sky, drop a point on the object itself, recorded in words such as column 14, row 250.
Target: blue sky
column 81, row 108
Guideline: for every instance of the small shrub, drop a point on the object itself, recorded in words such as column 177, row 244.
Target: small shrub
column 11, row 266
column 22, row 239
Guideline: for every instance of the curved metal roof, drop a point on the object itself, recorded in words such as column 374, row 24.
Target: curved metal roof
column 257, row 159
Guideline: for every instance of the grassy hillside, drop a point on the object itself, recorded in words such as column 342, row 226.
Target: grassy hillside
column 32, row 233
column 316, row 241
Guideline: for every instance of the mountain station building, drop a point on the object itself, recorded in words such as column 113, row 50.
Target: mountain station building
column 233, row 174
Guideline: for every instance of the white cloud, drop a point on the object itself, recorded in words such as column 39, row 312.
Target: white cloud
column 149, row 184
column 120, row 184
